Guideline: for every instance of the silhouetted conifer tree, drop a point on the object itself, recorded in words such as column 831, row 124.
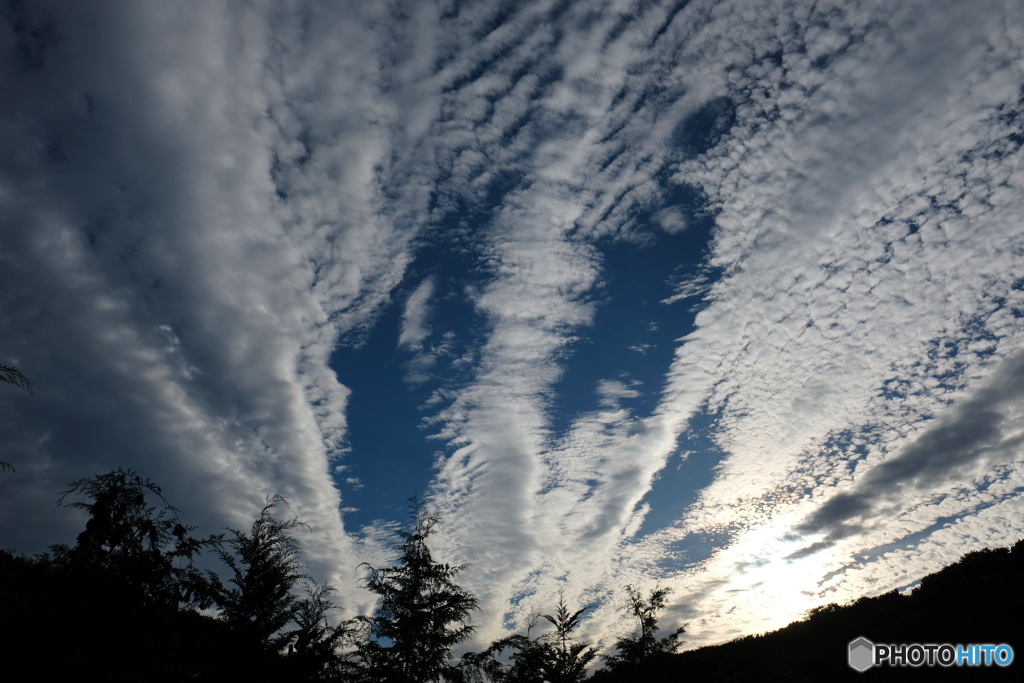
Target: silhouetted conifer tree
column 421, row 612
column 123, row 583
column 553, row 657
column 528, row 659
column 144, row 548
column 569, row 657
column 643, row 642
column 131, row 586
column 266, row 569
column 315, row 651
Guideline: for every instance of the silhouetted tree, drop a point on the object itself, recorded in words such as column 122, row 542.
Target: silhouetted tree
column 315, row 651
column 643, row 642
column 569, row 657
column 420, row 611
column 528, row 659
column 14, row 376
column 553, row 657
column 145, row 548
column 131, row 587
column 124, row 581
column 266, row 569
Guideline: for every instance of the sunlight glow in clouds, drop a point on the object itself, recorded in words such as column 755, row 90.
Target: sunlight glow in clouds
column 208, row 215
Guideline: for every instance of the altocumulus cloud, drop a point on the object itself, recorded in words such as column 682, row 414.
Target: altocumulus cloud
column 201, row 205
column 174, row 276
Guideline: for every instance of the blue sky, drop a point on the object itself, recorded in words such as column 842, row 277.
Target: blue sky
column 723, row 295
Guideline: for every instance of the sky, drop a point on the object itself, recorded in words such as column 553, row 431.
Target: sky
column 721, row 296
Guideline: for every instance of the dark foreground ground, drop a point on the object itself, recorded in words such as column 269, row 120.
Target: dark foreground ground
column 978, row 600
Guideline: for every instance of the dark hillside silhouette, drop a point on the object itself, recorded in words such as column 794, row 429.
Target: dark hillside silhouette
column 979, row 599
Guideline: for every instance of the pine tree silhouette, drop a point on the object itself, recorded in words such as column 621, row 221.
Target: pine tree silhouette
column 421, row 612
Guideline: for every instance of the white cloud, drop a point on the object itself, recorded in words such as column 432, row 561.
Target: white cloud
column 414, row 318
column 612, row 391
column 688, row 288
column 850, row 285
column 241, row 188
column 790, row 347
column 201, row 235
column 840, row 275
column 671, row 220
column 641, row 348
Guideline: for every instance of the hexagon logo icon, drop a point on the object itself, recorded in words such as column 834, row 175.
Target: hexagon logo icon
column 862, row 654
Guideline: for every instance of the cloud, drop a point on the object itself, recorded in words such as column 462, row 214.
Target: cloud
column 414, row 319
column 859, row 299
column 641, row 348
column 186, row 239
column 671, row 220
column 424, row 366
column 612, row 391
column 962, row 445
column 199, row 208
column 838, row 275
column 688, row 288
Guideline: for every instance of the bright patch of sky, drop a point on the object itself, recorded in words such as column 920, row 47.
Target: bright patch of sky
column 723, row 294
